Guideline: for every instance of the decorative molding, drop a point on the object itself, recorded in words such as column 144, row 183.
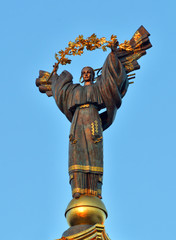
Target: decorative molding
column 97, row 232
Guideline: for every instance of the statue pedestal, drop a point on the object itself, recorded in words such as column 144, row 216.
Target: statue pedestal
column 96, row 232
column 87, row 210
column 86, row 216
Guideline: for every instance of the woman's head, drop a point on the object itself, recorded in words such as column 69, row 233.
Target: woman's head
column 88, row 75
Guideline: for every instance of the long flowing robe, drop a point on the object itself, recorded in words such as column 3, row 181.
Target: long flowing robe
column 81, row 105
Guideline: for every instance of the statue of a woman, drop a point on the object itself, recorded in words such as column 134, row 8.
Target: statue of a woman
column 81, row 106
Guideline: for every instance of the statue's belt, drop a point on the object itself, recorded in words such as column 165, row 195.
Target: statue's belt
column 84, row 106
column 87, row 105
column 85, row 168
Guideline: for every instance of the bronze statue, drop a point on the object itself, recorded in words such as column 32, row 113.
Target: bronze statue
column 81, row 106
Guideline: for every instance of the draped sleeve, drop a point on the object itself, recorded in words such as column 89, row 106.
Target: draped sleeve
column 61, row 87
column 112, row 84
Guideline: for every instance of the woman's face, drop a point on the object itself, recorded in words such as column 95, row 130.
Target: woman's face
column 87, row 75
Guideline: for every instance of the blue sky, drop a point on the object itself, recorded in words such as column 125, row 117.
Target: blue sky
column 139, row 188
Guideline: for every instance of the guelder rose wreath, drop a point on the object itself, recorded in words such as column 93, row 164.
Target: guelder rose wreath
column 128, row 53
column 91, row 43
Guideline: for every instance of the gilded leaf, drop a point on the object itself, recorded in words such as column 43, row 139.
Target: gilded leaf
column 71, row 44
column 113, row 37
column 93, row 36
column 104, row 48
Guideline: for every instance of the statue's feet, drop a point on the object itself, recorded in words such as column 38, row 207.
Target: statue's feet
column 76, row 195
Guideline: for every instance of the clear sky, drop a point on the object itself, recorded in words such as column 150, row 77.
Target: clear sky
column 139, row 188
